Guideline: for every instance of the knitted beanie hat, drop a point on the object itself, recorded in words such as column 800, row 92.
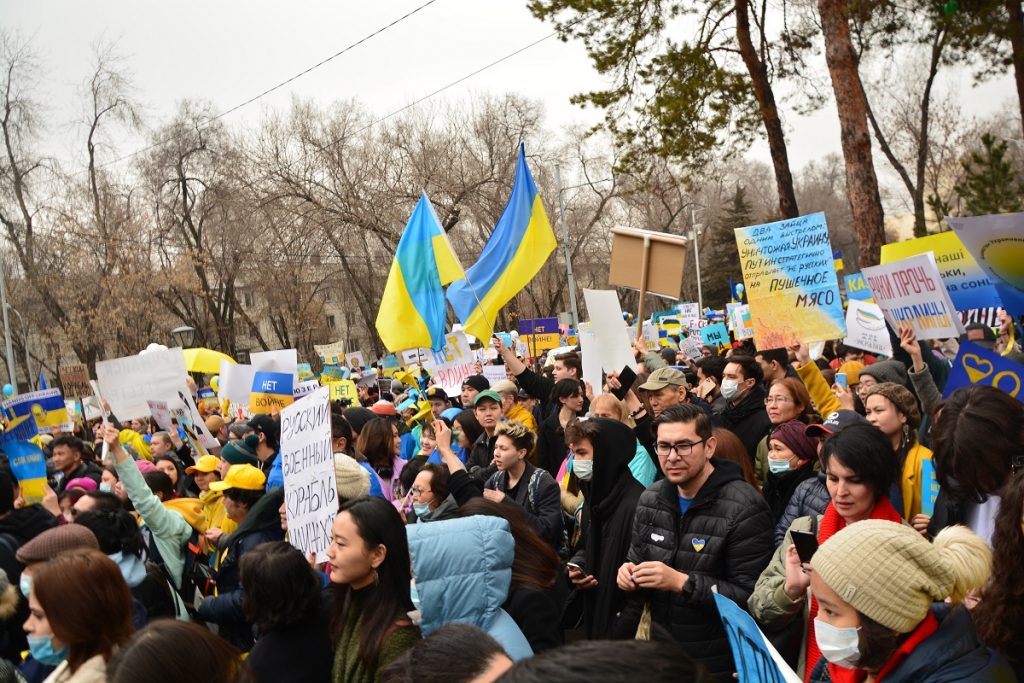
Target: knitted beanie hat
column 353, row 479
column 887, row 371
column 52, row 542
column 792, row 435
column 240, row 452
column 900, row 397
column 891, row 574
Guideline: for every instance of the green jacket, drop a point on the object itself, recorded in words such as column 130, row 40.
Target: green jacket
column 348, row 668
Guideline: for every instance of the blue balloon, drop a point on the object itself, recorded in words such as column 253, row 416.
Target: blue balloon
column 8, row 390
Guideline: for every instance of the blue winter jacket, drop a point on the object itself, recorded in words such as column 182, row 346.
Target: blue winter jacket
column 463, row 570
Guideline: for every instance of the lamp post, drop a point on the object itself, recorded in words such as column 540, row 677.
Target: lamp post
column 565, row 240
column 8, row 343
column 695, row 233
column 183, row 336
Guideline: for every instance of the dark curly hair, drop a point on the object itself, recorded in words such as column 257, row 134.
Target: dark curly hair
column 999, row 617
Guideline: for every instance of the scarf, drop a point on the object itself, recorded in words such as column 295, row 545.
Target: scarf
column 923, row 631
column 832, row 523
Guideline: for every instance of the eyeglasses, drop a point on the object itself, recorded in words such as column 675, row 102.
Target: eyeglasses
column 417, row 491
column 768, row 400
column 682, row 448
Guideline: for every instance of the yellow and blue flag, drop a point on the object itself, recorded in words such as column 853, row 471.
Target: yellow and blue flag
column 517, row 249
column 270, row 390
column 412, row 311
column 46, row 407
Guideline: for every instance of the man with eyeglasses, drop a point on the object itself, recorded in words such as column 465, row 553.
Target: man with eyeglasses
column 700, row 526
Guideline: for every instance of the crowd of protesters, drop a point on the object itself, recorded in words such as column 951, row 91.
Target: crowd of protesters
column 500, row 536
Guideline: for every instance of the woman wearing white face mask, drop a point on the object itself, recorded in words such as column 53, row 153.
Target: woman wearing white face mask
column 876, row 583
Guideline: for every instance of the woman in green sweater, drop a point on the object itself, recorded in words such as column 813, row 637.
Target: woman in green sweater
column 370, row 569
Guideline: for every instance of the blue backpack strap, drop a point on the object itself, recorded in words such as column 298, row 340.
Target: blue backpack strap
column 534, row 487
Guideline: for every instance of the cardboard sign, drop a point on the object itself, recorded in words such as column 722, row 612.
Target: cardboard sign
column 791, row 282
column 452, row 364
column 236, row 382
column 715, row 335
column 75, row 381
column 46, row 408
column 307, row 463
column 539, row 343
column 414, row 356
column 857, row 288
column 997, row 244
column 127, row 383
column 344, row 389
column 330, row 354
column 691, row 346
column 191, row 421
column 911, row 292
column 609, row 329
column 866, row 329
column 589, row 357
column 977, row 365
column 355, row 360
column 666, row 261
column 282, row 360
column 968, row 285
column 28, row 465
column 739, row 316
column 305, row 371
column 161, row 415
column 495, row 373
column 270, row 390
column 305, row 388
column 755, row 657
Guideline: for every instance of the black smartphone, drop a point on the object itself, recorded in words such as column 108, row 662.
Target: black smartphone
column 626, row 379
column 806, row 544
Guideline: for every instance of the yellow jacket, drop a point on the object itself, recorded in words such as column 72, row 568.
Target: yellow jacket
column 520, row 414
column 216, row 515
column 825, row 402
column 911, row 480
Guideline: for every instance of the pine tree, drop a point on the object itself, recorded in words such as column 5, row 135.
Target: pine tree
column 720, row 258
column 991, row 183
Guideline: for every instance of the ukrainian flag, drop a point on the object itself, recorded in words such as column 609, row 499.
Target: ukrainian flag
column 46, row 407
column 412, row 311
column 515, row 252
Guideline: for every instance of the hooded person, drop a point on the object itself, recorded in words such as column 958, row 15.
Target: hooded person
column 602, row 450
column 463, row 570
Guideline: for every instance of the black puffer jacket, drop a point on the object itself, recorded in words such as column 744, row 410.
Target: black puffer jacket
column 725, row 539
column 810, row 498
column 748, row 420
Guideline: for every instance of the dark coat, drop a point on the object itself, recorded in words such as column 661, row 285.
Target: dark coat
column 19, row 527
column 808, row 499
column 541, row 501
column 87, row 470
column 952, row 653
column 294, row 654
column 538, row 614
column 748, row 420
column 724, row 539
column 609, row 502
column 262, row 524
column 480, row 460
column 551, row 448
column 779, row 488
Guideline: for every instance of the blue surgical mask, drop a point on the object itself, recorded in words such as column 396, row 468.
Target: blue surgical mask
column 421, row 509
column 42, row 650
column 778, row 466
column 106, row 488
column 133, row 569
column 25, row 584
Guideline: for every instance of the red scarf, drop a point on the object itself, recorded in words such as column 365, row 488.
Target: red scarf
column 831, row 523
column 923, row 631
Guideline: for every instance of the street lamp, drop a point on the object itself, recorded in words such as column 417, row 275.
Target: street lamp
column 695, row 236
column 183, row 336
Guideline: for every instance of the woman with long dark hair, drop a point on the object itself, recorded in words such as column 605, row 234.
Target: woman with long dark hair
column 171, row 651
column 370, row 569
column 281, row 597
column 551, row 449
column 378, row 449
column 999, row 617
column 535, row 597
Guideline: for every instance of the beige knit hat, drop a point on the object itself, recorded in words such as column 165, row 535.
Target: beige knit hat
column 892, row 574
column 353, row 479
column 902, row 398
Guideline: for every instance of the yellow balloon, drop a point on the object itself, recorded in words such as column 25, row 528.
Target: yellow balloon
column 215, row 383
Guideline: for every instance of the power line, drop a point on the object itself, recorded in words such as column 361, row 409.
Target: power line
column 280, row 85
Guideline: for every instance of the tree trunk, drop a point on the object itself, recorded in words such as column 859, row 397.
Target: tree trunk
column 769, row 113
column 851, row 103
column 1015, row 31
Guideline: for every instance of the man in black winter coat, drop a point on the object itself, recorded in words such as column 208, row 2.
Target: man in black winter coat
column 744, row 414
column 700, row 526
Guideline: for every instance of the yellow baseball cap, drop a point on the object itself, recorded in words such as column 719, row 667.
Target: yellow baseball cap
column 244, row 477
column 207, row 463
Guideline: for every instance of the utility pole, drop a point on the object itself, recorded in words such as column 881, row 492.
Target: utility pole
column 565, row 246
column 695, row 234
column 8, row 344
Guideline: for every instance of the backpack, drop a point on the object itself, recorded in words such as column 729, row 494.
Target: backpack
column 197, row 576
column 532, row 487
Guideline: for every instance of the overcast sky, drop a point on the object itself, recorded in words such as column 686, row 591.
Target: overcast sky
column 227, row 52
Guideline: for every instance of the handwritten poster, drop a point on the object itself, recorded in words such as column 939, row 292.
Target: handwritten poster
column 791, row 281
column 857, row 287
column 968, row 285
column 127, row 383
column 452, row 364
column 715, row 335
column 866, row 329
column 307, row 463
column 74, row 379
column 910, row 292
column 997, row 244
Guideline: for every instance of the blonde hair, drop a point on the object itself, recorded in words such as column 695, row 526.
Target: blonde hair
column 517, row 432
column 968, row 558
column 610, row 400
